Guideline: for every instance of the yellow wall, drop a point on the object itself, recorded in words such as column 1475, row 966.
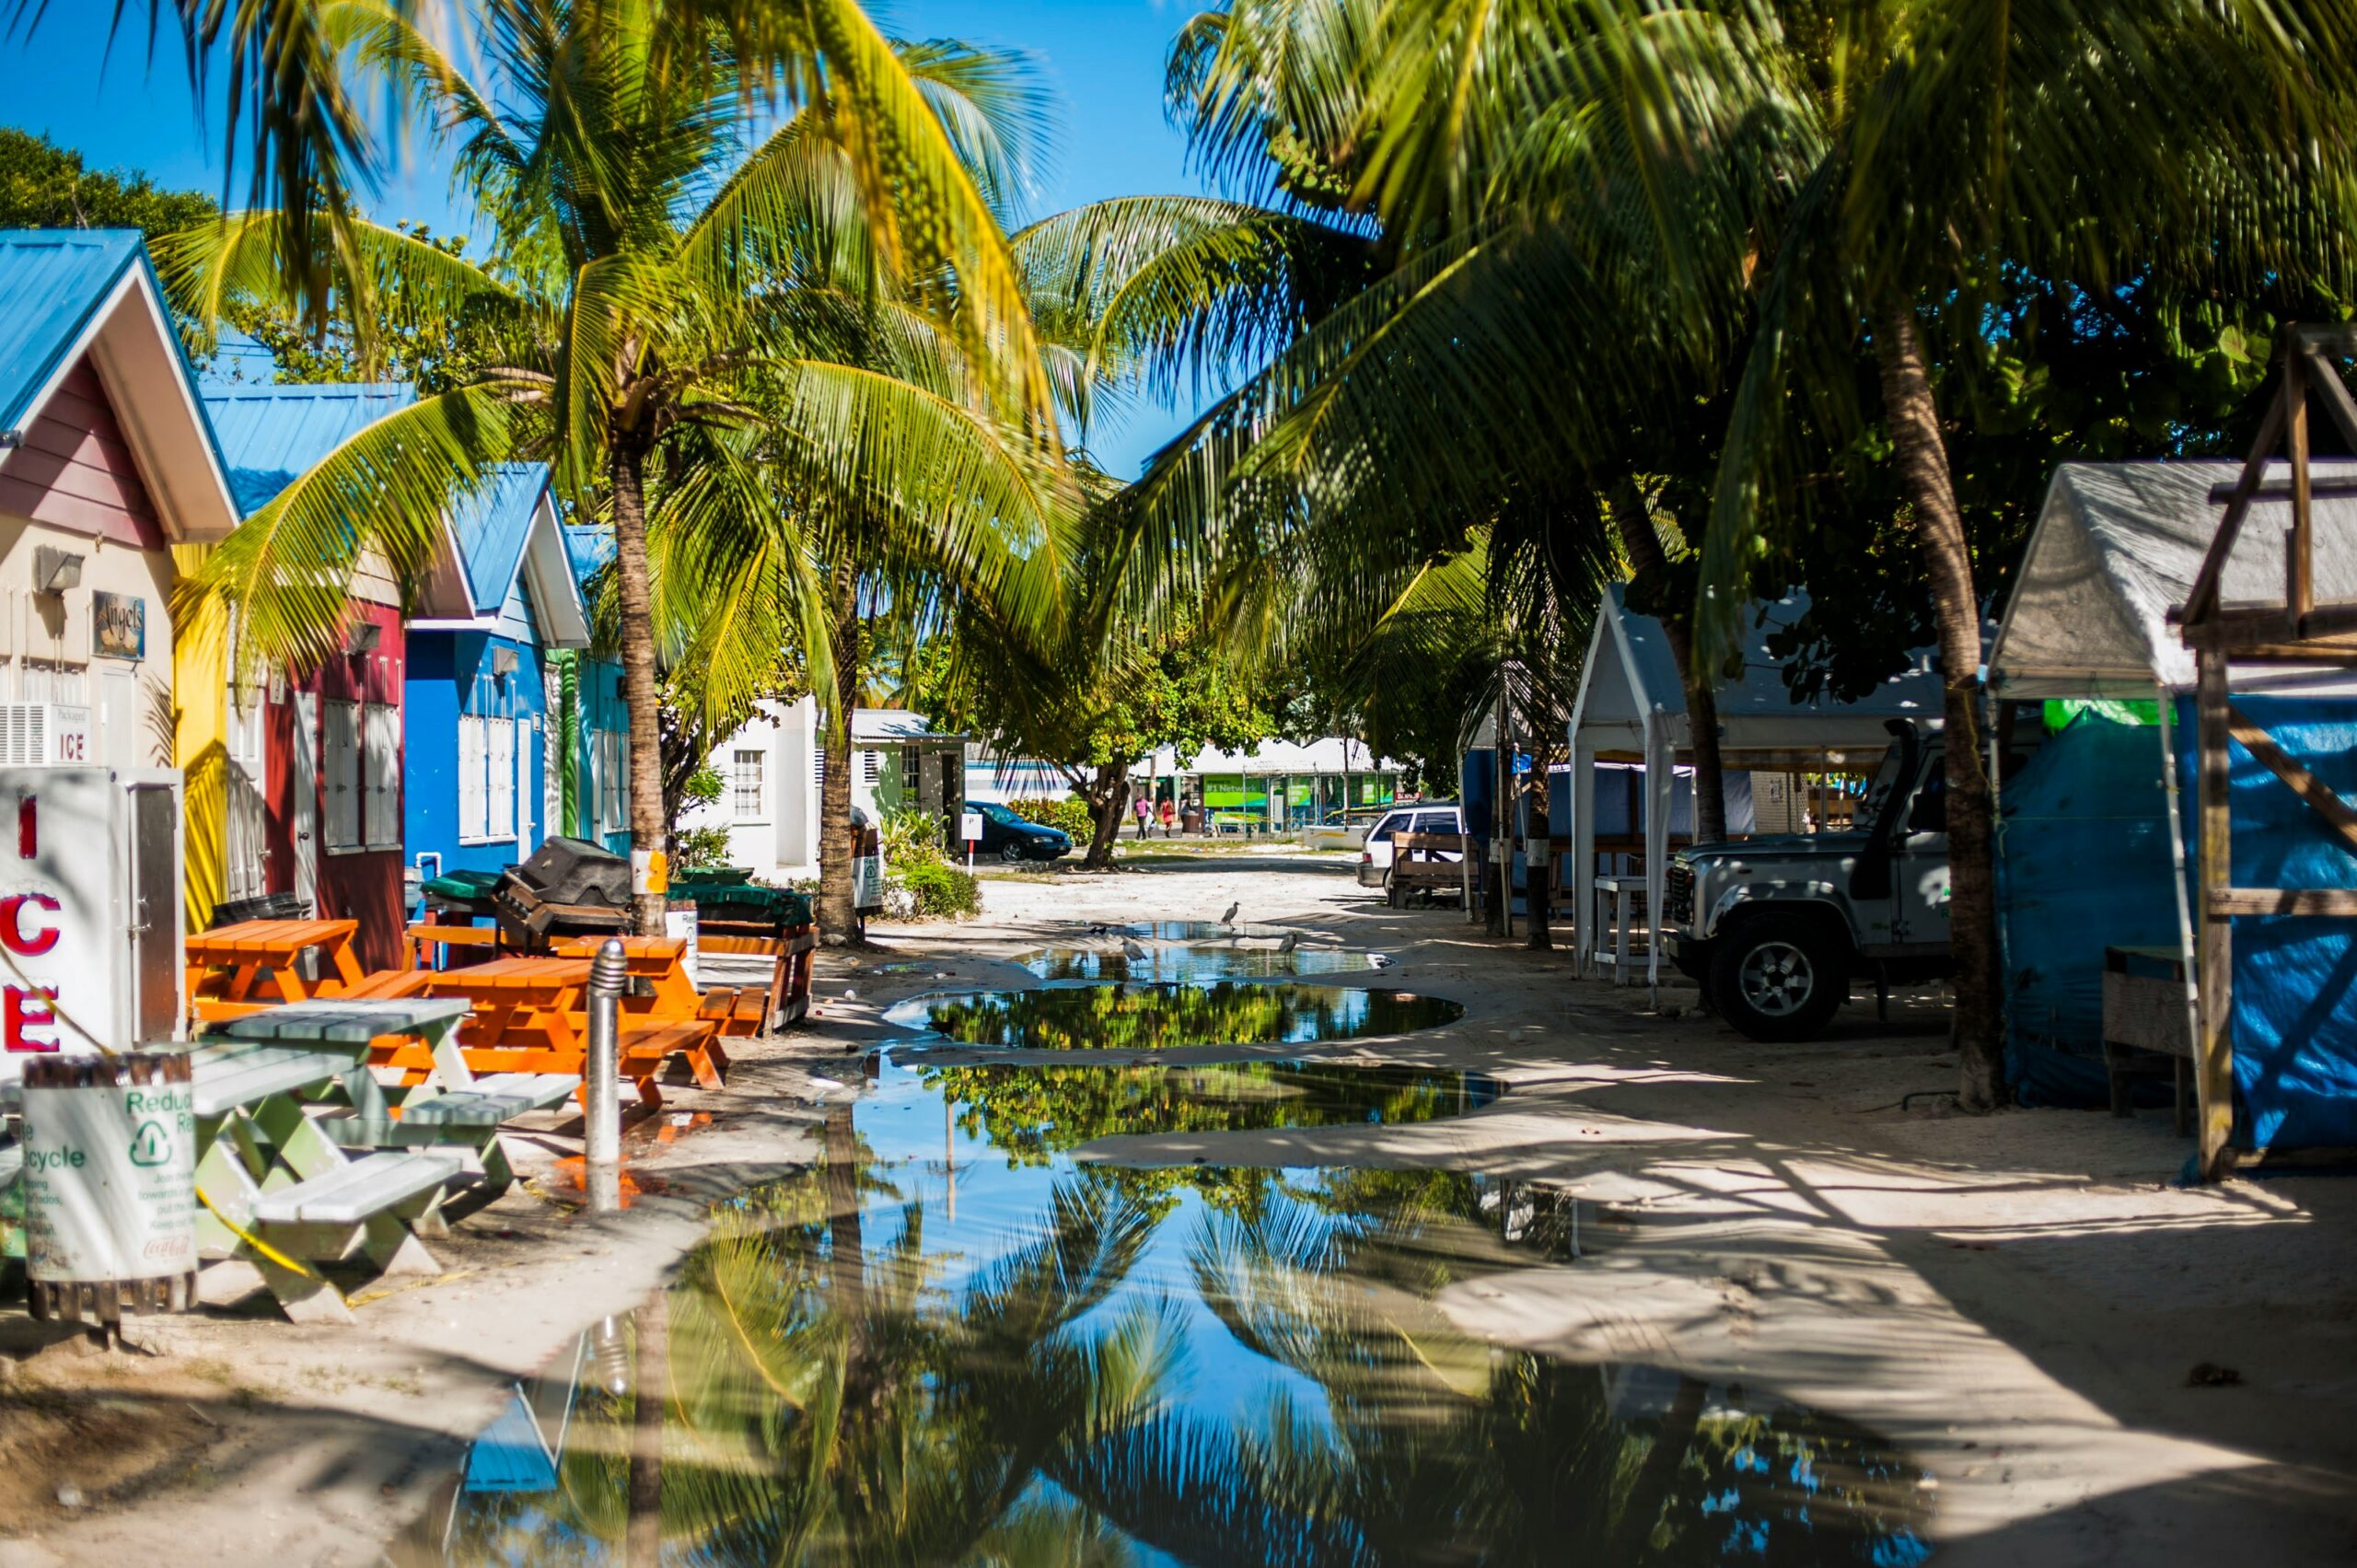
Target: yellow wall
column 201, row 743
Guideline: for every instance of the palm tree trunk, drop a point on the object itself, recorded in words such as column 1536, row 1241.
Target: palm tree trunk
column 1537, row 875
column 643, row 1529
column 1913, row 414
column 837, row 919
column 847, row 1247
column 1642, row 545
column 1109, row 801
column 649, row 830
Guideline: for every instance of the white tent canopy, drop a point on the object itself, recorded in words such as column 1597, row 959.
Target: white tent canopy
column 1632, row 704
column 2118, row 545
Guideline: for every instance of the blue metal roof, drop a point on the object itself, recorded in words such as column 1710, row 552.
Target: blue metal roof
column 494, row 526
column 55, row 280
column 590, row 548
column 272, row 434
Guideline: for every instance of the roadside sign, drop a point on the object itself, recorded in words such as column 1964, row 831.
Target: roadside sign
column 969, row 828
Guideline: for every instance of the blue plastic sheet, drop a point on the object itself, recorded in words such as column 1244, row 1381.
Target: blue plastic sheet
column 2295, row 979
column 2083, row 865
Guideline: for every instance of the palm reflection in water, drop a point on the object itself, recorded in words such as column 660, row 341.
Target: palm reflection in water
column 1166, row 1016
column 1097, row 1365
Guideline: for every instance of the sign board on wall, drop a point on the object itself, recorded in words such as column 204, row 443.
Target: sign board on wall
column 71, row 924
column 118, row 625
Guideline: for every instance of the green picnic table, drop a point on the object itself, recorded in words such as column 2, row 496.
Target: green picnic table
column 304, row 1158
column 365, row 1178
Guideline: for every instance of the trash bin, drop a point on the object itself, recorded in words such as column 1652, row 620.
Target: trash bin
column 110, row 1180
column 680, row 919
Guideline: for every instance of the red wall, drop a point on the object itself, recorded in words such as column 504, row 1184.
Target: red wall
column 75, row 470
column 364, row 885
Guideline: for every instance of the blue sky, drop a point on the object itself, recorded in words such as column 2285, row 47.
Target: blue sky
column 1101, row 58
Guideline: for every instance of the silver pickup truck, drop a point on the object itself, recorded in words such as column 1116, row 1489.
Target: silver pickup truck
column 1777, row 928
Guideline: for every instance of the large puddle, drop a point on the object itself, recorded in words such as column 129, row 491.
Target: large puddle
column 1167, row 1014
column 952, row 1342
column 1192, row 961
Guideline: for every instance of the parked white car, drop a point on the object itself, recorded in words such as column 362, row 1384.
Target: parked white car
column 1429, row 816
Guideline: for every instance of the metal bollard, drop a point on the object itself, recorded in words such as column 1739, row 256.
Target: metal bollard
column 602, row 1137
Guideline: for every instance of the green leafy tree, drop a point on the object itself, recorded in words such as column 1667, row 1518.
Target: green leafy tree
column 43, row 185
column 1172, row 689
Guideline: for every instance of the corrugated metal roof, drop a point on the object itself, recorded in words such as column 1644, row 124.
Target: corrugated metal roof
column 53, row 280
column 272, row 434
column 590, row 547
column 494, row 526
column 895, row 724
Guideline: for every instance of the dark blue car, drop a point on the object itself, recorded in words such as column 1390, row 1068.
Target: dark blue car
column 1012, row 840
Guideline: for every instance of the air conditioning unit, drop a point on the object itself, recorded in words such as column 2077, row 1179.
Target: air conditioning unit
column 45, row 735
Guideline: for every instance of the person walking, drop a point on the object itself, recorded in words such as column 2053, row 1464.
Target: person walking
column 1146, row 815
column 1169, row 817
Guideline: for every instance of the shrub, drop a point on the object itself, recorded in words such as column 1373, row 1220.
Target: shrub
column 943, row 892
column 910, row 838
column 697, row 847
column 1071, row 814
column 703, row 787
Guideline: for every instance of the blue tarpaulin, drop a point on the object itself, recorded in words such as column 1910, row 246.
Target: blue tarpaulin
column 2083, row 865
column 2295, row 977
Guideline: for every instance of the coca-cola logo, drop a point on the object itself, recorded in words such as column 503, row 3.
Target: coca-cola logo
column 166, row 1246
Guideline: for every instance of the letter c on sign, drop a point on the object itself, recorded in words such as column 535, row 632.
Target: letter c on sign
column 13, row 934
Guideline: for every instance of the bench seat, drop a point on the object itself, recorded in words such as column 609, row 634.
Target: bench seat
column 350, row 1194
column 490, row 1100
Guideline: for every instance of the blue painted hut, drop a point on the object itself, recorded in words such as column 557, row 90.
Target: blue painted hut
column 481, row 764
column 595, row 721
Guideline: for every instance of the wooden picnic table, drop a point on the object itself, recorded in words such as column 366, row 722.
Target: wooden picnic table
column 436, row 947
column 281, row 1188
column 238, row 968
column 530, row 1014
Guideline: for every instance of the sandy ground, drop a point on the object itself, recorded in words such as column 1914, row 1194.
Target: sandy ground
column 2020, row 1299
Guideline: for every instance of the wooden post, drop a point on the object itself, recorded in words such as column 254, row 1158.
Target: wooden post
column 2214, row 1047
column 2299, row 554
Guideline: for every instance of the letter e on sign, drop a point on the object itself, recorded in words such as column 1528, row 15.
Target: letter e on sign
column 22, row 1009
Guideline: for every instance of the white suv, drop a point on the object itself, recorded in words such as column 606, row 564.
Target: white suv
column 1431, row 817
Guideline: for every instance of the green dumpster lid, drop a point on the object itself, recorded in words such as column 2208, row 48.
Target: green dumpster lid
column 462, row 884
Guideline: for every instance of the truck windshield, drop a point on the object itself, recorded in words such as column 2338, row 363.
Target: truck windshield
column 1886, row 780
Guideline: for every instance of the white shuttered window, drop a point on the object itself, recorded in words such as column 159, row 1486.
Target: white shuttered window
column 500, row 766
column 475, row 788
column 381, row 780
column 611, row 764
column 342, row 742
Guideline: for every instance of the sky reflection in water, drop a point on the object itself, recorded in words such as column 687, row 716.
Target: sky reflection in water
column 951, row 1343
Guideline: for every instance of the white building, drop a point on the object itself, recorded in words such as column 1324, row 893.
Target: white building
column 773, row 768
column 1278, row 785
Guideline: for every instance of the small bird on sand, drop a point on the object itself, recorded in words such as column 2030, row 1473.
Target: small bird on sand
column 1229, row 918
column 1131, row 951
column 1293, row 940
column 1381, row 960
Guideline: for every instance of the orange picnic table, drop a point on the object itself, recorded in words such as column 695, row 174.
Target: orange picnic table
column 240, row 969
column 531, row 1015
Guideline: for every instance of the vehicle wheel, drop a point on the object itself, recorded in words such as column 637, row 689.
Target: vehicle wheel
column 1778, row 976
column 1011, row 852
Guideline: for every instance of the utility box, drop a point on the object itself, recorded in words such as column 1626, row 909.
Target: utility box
column 90, row 912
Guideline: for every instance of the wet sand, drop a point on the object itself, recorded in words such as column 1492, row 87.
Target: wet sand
column 2020, row 1299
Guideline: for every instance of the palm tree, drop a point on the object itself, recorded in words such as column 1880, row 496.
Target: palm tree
column 676, row 319
column 1958, row 140
column 1602, row 213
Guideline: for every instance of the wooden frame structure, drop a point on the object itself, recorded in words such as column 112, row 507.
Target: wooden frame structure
column 2297, row 630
